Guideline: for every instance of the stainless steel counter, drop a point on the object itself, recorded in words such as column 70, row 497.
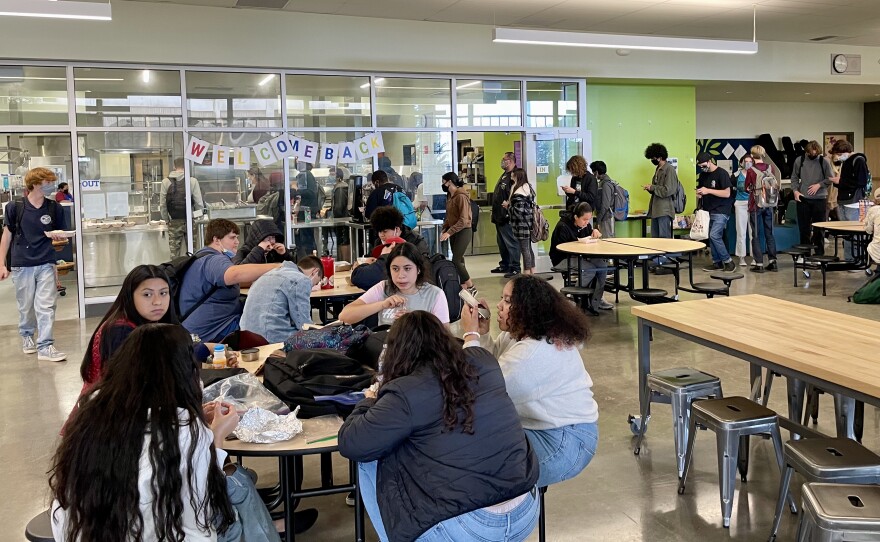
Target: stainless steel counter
column 485, row 240
column 109, row 254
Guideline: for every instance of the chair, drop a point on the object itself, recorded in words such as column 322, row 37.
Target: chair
column 822, row 262
column 795, row 252
column 838, row 513
column 733, row 419
column 832, row 460
column 39, row 529
column 679, row 387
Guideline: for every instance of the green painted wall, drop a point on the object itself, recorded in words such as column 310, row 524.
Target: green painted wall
column 624, row 119
column 495, row 144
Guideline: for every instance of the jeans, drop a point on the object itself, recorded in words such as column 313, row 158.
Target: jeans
column 482, row 525
column 808, row 212
column 429, row 233
column 588, row 271
column 528, row 254
column 563, row 452
column 762, row 217
column 661, row 227
column 845, row 213
column 717, row 227
column 741, row 210
column 36, row 294
column 509, row 247
column 252, row 520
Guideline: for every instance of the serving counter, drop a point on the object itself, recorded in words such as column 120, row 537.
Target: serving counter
column 110, row 253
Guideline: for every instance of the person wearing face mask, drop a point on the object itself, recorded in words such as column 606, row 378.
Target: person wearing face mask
column 713, row 191
column 508, row 244
column 279, row 302
column 32, row 261
column 63, row 193
column 810, row 176
column 662, row 189
column 741, row 209
column 211, row 284
column 851, row 183
column 457, row 226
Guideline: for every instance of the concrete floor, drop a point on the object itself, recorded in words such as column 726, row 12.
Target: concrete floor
column 618, row 497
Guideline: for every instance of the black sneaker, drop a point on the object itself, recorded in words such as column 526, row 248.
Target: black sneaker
column 498, row 269
column 772, row 266
column 729, row 266
column 757, row 269
column 511, row 274
column 713, row 267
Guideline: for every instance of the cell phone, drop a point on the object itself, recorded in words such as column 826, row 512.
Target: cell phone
column 472, row 301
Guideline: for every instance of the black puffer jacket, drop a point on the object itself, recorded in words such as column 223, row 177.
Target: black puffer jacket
column 251, row 252
column 426, row 475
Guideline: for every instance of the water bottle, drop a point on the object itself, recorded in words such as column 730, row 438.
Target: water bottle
column 307, row 215
column 219, row 361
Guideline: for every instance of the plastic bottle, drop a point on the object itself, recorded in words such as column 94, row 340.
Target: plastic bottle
column 219, row 361
column 307, row 215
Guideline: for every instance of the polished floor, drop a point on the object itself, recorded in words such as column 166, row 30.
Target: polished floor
column 618, row 497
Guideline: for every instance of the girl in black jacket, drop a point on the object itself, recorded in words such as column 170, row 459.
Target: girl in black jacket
column 441, row 449
column 584, row 188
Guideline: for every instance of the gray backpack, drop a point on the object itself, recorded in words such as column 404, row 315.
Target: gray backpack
column 679, row 199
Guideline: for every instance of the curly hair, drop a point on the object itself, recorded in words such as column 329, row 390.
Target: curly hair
column 418, row 339
column 576, row 165
column 386, row 217
column 539, row 311
column 656, row 150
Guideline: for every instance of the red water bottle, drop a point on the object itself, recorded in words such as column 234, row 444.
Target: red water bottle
column 329, row 268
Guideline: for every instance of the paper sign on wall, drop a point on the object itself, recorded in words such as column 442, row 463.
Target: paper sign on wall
column 90, row 185
column 197, row 150
column 117, row 204
column 264, row 154
column 281, row 147
column 347, row 153
column 242, row 158
column 221, row 155
column 362, row 148
column 94, row 206
column 328, row 154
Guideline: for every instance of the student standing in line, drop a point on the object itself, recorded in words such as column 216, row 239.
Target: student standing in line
column 32, row 261
column 810, row 178
column 851, row 184
column 664, row 184
column 741, row 209
column 583, row 187
column 604, row 213
column 522, row 208
column 713, row 191
column 63, row 193
column 508, row 244
column 457, row 225
column 172, row 205
column 760, row 216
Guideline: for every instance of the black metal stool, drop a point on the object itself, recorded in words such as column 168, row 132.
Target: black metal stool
column 796, row 253
column 822, row 262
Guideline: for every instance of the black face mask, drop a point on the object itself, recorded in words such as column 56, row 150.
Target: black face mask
column 811, row 157
column 655, row 161
column 445, row 188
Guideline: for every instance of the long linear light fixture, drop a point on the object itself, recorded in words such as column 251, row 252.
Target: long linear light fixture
column 621, row 41
column 56, row 9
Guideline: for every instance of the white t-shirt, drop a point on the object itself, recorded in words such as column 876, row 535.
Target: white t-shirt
column 200, row 485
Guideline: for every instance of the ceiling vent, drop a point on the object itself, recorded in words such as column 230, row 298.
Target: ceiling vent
column 265, row 4
column 824, row 38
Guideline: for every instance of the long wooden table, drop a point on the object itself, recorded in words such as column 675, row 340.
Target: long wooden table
column 833, row 351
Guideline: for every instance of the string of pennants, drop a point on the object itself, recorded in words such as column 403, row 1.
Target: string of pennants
column 286, row 146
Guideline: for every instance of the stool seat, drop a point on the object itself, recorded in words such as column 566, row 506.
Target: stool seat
column 649, row 292
column 800, row 246
column 730, row 412
column 576, row 290
column 842, row 508
column 794, row 251
column 681, row 378
column 821, row 259
column 832, row 457
column 672, row 265
column 726, row 275
column 39, row 529
column 713, row 287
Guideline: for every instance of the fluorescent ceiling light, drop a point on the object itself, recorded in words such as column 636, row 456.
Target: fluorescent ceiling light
column 61, row 9
column 28, row 78
column 620, row 41
column 466, row 85
column 266, row 79
column 146, row 76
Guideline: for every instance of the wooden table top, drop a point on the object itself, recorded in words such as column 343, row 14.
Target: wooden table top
column 842, row 225
column 314, row 429
column 342, row 287
column 663, row 245
column 831, row 346
column 606, row 249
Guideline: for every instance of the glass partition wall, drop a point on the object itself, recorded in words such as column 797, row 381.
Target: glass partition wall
column 118, row 133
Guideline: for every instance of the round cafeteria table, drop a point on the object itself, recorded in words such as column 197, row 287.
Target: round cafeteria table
column 854, row 231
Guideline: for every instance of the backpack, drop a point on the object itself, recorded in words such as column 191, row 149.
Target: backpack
column 869, row 293
column 766, row 189
column 446, row 277
column 403, row 204
column 679, row 199
column 175, row 270
column 540, row 226
column 475, row 215
column 619, row 200
column 175, row 199
column 268, row 205
column 19, row 215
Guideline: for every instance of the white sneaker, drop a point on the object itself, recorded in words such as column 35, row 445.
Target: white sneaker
column 51, row 354
column 743, row 262
column 604, row 305
column 28, row 346
column 799, row 260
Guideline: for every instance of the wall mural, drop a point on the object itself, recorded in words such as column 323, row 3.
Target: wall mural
column 727, row 152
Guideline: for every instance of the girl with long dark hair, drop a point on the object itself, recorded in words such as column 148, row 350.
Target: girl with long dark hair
column 539, row 352
column 441, row 449
column 522, row 208
column 138, row 460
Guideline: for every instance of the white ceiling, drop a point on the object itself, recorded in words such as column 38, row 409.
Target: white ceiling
column 854, row 22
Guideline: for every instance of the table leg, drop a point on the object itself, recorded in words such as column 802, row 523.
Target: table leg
column 285, row 473
column 645, row 274
column 644, row 355
column 796, row 390
column 358, row 502
column 844, row 413
column 437, row 228
column 756, row 381
column 326, row 470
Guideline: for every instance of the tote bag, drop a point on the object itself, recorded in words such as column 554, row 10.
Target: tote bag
column 700, row 227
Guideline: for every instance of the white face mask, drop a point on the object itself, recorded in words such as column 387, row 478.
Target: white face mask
column 843, row 157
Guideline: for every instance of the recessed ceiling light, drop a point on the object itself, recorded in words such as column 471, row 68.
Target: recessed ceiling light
column 146, row 76
column 729, row 92
column 806, row 93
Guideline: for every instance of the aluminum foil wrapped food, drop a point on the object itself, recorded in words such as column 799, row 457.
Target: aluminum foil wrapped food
column 263, row 427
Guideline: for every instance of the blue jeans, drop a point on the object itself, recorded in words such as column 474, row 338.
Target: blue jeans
column 661, row 227
column 588, row 271
column 764, row 217
column 845, row 213
column 36, row 294
column 717, row 227
column 252, row 520
column 563, row 452
column 508, row 244
column 512, row 526
column 429, row 233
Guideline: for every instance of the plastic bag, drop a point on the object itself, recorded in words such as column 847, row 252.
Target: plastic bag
column 245, row 392
column 263, row 427
column 322, row 428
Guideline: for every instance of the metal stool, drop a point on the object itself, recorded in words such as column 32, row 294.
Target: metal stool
column 732, row 419
column 679, row 387
column 39, row 529
column 727, row 277
column 711, row 289
column 650, row 296
column 838, row 460
column 795, row 252
column 838, row 513
column 822, row 262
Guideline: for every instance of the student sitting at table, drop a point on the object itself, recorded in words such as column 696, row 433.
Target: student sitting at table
column 279, row 302
column 211, row 284
column 872, row 226
column 571, row 228
column 538, row 350
column 142, row 461
column 442, row 453
column 264, row 244
column 406, row 290
column 387, row 222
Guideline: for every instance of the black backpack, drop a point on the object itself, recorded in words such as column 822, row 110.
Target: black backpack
column 175, row 199
column 475, row 215
column 446, row 277
column 175, row 270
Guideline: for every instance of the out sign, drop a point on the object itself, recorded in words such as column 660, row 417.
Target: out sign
column 90, row 185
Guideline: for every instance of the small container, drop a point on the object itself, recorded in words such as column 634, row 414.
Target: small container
column 250, row 354
column 329, row 265
column 219, row 360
